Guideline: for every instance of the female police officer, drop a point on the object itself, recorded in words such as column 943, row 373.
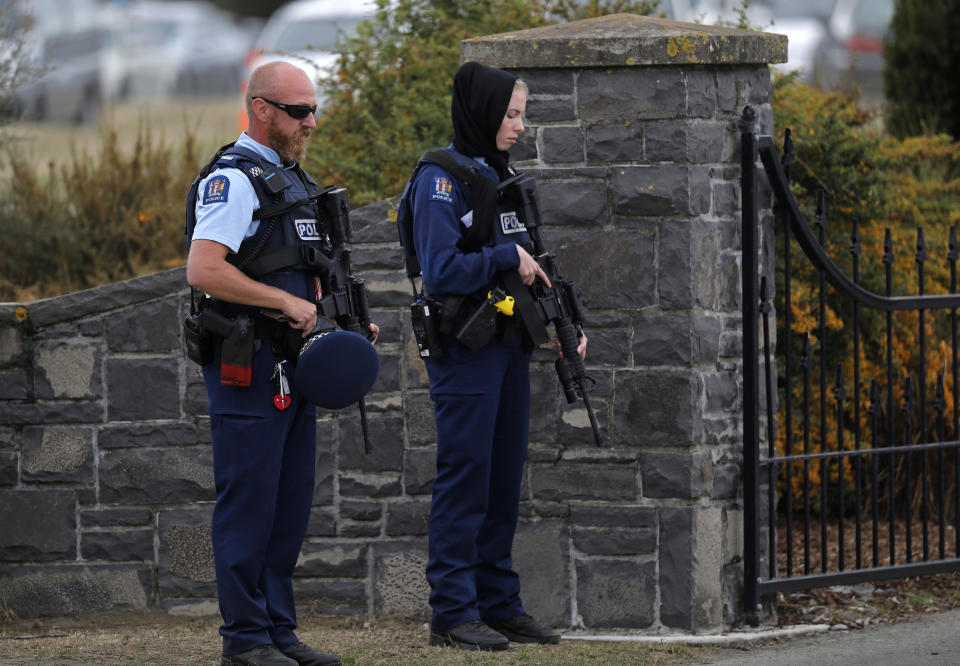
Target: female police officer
column 481, row 397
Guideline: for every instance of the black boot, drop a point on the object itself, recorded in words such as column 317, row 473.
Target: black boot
column 524, row 629
column 265, row 655
column 474, row 635
column 306, row 656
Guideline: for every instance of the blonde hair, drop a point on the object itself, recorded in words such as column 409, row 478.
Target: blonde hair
column 521, row 86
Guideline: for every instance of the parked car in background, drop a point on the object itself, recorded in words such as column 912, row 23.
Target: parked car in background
column 41, row 18
column 305, row 32
column 56, row 34
column 72, row 87
column 186, row 46
column 858, row 28
column 139, row 49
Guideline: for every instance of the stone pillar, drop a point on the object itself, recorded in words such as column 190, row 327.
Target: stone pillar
column 632, row 132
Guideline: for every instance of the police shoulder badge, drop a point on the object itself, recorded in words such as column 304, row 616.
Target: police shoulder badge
column 216, row 189
column 442, row 189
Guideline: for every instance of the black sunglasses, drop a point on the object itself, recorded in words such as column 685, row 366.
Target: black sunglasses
column 295, row 111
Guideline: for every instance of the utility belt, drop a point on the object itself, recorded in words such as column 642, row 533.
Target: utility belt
column 213, row 334
column 473, row 321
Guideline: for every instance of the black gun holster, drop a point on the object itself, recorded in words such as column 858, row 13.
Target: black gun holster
column 237, row 340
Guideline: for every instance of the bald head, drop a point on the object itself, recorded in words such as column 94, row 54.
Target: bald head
column 274, row 89
column 274, row 80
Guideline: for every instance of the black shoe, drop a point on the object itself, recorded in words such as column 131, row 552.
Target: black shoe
column 524, row 629
column 265, row 655
column 306, row 656
column 474, row 635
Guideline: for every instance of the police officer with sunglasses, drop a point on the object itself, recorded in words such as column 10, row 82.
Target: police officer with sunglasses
column 263, row 448
column 295, row 111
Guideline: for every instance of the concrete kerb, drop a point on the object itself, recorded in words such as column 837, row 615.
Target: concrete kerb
column 734, row 638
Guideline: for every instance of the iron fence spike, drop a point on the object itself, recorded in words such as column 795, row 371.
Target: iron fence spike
column 874, row 408
column 940, row 404
column 887, row 246
column 855, row 237
column 821, row 216
column 839, row 393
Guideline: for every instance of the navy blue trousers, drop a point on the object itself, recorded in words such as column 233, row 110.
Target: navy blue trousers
column 263, row 466
column 482, row 407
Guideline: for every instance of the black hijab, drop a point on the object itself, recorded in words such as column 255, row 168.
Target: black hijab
column 481, row 96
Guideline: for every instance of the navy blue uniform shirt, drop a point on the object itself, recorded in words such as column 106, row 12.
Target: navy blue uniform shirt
column 441, row 206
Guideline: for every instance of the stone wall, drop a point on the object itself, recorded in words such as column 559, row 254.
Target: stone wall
column 106, row 483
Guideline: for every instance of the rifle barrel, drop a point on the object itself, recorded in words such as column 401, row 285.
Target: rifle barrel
column 594, row 424
column 365, row 427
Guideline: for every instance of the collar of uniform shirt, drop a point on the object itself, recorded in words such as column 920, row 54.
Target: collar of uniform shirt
column 266, row 152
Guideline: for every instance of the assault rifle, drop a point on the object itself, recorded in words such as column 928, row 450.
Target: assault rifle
column 558, row 304
column 344, row 295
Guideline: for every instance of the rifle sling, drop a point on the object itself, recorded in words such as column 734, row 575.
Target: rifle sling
column 280, row 257
column 524, row 303
column 278, row 208
column 484, row 203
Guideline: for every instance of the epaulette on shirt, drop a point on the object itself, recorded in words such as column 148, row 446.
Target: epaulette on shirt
column 444, row 159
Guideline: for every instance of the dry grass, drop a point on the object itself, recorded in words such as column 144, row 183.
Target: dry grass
column 85, row 206
column 153, row 637
column 212, row 120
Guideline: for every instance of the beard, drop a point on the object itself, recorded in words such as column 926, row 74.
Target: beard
column 290, row 147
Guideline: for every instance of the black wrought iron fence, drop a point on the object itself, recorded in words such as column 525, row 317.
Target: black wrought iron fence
column 864, row 485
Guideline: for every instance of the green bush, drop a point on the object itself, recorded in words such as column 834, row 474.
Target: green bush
column 880, row 180
column 920, row 79
column 883, row 182
column 389, row 98
column 95, row 220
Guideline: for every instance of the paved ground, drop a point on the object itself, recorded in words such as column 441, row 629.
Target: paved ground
column 931, row 640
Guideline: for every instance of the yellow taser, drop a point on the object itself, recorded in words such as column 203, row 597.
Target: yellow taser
column 503, row 306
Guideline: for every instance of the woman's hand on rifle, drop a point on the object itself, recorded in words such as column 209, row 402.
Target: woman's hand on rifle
column 529, row 269
column 581, row 347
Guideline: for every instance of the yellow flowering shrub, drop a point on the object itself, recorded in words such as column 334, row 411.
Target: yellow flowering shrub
column 884, row 183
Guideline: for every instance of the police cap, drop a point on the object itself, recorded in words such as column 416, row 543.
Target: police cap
column 336, row 368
